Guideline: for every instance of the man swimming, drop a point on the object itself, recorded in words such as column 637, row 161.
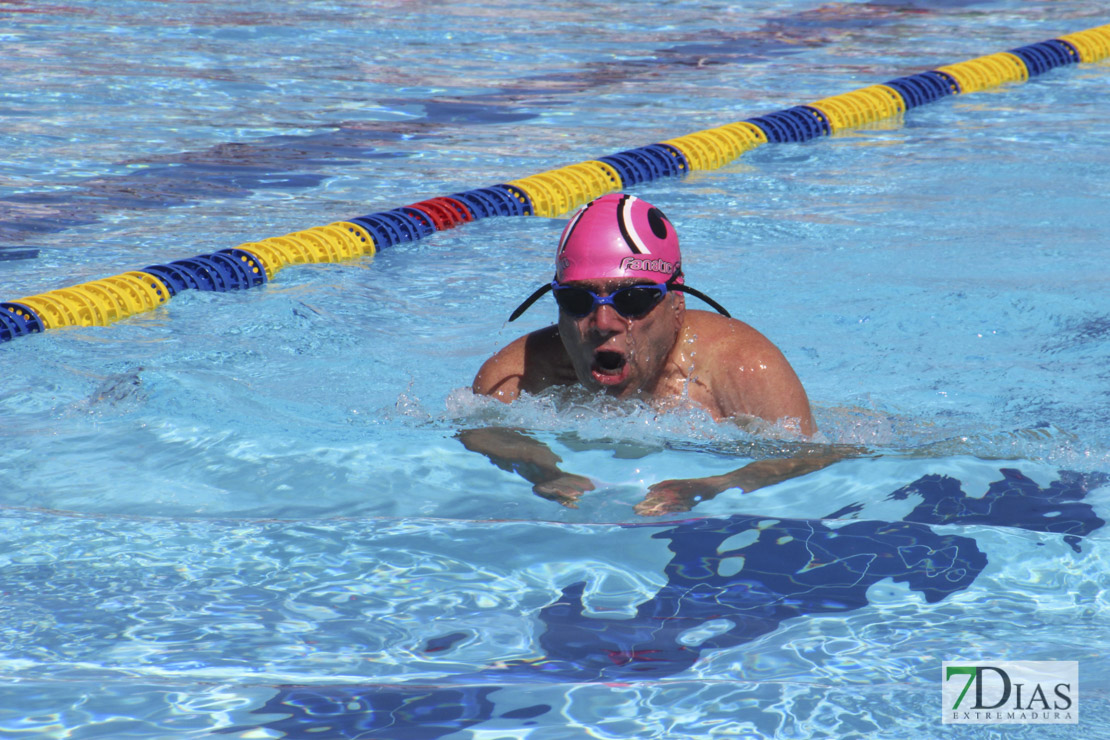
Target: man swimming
column 624, row 330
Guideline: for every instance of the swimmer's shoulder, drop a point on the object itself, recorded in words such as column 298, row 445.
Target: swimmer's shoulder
column 721, row 334
column 748, row 374
column 529, row 363
column 731, row 352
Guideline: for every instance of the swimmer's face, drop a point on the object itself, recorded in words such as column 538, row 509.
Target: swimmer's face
column 622, row 356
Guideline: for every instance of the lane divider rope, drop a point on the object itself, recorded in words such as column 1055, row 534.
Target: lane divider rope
column 552, row 193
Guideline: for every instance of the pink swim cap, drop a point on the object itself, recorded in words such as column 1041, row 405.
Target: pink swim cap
column 618, row 236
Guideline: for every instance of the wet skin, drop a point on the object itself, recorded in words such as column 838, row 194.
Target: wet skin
column 667, row 356
column 670, row 354
column 619, row 355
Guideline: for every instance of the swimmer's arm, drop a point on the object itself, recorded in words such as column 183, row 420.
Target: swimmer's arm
column 529, row 458
column 684, row 494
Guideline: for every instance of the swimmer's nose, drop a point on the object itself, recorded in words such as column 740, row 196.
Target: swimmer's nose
column 606, row 319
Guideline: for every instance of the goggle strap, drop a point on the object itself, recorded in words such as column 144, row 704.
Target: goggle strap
column 529, row 301
column 670, row 285
column 698, row 294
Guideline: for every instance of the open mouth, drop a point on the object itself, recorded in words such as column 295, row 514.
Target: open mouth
column 609, row 368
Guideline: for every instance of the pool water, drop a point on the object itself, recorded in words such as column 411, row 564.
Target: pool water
column 247, row 514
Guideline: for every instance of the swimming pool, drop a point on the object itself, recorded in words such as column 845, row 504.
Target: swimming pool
column 245, row 514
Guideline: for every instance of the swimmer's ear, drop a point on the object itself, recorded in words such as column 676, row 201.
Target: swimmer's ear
column 679, row 303
column 678, row 309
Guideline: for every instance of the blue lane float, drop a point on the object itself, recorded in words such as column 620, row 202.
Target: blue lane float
column 800, row 123
column 923, row 88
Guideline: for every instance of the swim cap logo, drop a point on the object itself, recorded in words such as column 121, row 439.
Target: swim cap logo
column 657, row 265
column 617, row 236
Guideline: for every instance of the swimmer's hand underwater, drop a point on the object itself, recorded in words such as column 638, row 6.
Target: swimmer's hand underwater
column 565, row 489
column 670, row 496
column 532, row 460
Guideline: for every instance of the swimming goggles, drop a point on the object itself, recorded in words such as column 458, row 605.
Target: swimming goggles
column 632, row 302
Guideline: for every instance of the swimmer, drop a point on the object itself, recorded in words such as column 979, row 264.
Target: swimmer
column 624, row 330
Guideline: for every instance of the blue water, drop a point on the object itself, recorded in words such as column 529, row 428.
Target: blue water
column 246, row 515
